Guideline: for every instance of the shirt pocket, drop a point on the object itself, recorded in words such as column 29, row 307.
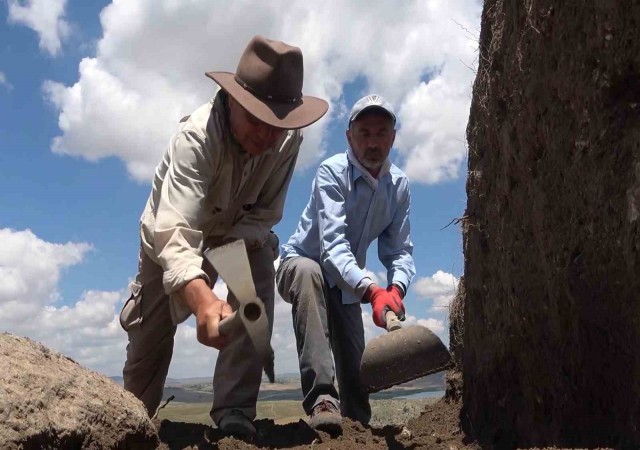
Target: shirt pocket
column 244, row 206
column 131, row 314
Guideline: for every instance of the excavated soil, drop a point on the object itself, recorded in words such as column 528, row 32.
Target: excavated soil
column 436, row 428
column 552, row 236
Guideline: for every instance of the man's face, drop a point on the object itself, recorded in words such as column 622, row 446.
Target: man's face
column 252, row 134
column 371, row 137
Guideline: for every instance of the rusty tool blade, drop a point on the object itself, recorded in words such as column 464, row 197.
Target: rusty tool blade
column 400, row 355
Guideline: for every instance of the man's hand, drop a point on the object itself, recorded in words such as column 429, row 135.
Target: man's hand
column 384, row 300
column 209, row 311
column 397, row 294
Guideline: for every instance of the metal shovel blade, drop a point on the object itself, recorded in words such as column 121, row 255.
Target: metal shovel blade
column 400, row 356
column 232, row 264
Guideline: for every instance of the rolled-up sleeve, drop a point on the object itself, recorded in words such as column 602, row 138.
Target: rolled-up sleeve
column 395, row 248
column 178, row 237
column 254, row 226
column 336, row 255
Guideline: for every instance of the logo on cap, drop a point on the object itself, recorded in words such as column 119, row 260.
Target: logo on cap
column 373, row 100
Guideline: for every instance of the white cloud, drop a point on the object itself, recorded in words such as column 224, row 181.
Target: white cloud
column 283, row 339
column 221, row 289
column 432, row 137
column 89, row 330
column 30, row 270
column 435, row 325
column 148, row 72
column 193, row 359
column 440, row 288
column 4, row 82
column 45, row 17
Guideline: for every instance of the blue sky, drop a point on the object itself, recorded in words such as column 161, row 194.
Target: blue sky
column 107, row 86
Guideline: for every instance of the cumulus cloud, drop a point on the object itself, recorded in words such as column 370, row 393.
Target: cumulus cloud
column 440, row 288
column 4, row 82
column 192, row 359
column 433, row 117
column 45, row 17
column 435, row 325
column 30, row 270
column 149, row 65
column 88, row 330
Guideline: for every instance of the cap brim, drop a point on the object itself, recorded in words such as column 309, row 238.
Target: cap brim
column 370, row 107
column 289, row 116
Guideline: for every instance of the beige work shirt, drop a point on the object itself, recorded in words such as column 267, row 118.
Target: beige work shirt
column 208, row 190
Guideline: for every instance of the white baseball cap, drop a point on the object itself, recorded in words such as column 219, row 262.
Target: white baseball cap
column 371, row 101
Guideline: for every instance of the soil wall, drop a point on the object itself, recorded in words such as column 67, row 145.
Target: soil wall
column 551, row 242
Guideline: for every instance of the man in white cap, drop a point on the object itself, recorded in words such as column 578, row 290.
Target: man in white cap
column 223, row 177
column 357, row 197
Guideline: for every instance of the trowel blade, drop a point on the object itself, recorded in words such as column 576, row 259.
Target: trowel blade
column 400, row 356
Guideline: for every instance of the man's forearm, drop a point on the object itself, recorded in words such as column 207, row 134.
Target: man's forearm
column 196, row 293
column 208, row 309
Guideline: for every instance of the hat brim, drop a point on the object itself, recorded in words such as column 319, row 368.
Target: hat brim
column 289, row 116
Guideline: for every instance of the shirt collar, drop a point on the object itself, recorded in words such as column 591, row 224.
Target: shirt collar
column 364, row 173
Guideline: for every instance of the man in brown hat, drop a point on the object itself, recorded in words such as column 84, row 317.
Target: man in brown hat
column 224, row 177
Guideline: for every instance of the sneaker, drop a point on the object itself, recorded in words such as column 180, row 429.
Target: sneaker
column 325, row 416
column 236, row 423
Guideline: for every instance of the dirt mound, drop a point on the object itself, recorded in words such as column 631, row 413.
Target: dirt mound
column 552, row 235
column 436, row 428
column 49, row 401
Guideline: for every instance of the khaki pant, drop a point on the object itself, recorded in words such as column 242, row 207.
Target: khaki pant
column 238, row 370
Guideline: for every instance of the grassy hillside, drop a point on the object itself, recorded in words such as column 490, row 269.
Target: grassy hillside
column 384, row 412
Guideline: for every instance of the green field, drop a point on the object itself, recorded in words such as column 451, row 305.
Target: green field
column 281, row 411
column 384, row 412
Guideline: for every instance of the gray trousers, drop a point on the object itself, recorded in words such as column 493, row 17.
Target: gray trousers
column 238, row 371
column 324, row 326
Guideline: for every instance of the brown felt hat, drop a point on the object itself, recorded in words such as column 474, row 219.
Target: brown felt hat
column 268, row 84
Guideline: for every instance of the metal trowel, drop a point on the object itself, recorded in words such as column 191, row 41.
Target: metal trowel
column 232, row 264
column 400, row 355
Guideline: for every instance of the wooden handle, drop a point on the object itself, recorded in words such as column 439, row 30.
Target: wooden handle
column 393, row 323
column 230, row 325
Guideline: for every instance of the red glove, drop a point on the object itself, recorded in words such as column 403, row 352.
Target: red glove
column 384, row 300
column 396, row 292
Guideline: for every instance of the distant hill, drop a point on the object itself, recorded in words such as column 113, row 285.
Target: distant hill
column 286, row 387
column 430, row 382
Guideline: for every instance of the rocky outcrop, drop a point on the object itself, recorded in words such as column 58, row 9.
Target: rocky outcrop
column 552, row 240
column 49, row 401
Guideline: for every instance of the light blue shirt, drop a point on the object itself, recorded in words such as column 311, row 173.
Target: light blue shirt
column 348, row 210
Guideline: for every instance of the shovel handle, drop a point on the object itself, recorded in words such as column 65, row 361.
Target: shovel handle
column 230, row 325
column 393, row 323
